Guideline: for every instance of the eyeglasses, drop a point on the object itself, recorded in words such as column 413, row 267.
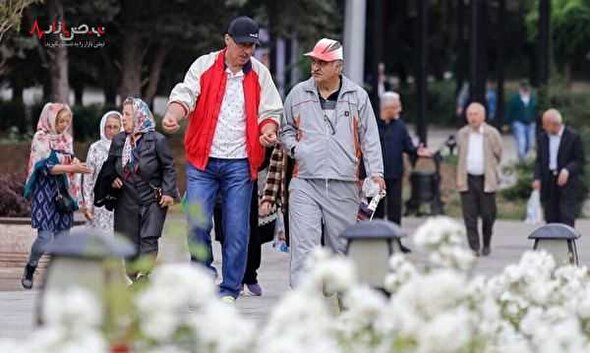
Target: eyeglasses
column 330, row 125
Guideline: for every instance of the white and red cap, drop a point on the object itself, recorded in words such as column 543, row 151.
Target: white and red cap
column 327, row 50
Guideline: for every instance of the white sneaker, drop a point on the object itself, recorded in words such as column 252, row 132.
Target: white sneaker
column 228, row 299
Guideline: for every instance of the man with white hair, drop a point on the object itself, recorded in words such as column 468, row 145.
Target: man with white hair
column 480, row 152
column 328, row 123
column 560, row 160
column 395, row 141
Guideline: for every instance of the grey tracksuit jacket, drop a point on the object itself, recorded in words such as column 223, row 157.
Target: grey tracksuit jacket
column 323, row 192
column 323, row 153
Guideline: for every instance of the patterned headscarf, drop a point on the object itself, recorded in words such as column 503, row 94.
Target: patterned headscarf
column 143, row 122
column 46, row 140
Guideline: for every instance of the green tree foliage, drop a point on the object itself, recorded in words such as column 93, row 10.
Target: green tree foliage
column 570, row 30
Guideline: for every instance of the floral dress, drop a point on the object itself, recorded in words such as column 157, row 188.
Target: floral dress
column 97, row 155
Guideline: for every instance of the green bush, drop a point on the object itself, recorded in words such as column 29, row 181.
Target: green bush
column 35, row 112
column 12, row 114
column 440, row 109
column 574, row 107
column 524, row 179
column 87, row 122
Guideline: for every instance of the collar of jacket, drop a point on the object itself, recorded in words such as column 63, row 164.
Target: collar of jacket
column 484, row 129
column 221, row 58
column 347, row 86
column 144, row 141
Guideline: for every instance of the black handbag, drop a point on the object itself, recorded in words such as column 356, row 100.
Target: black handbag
column 64, row 202
column 104, row 194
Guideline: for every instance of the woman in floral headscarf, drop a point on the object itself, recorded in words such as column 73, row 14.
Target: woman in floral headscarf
column 52, row 174
column 146, row 177
column 100, row 217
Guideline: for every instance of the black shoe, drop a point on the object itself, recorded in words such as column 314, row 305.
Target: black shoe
column 27, row 279
column 486, row 251
column 476, row 253
column 404, row 249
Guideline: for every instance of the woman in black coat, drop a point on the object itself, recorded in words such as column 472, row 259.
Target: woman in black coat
column 144, row 173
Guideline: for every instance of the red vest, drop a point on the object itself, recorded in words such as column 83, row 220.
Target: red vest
column 203, row 119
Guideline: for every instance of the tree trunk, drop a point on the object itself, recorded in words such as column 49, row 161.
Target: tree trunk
column 17, row 98
column 46, row 89
column 131, row 63
column 109, row 83
column 17, row 90
column 58, row 59
column 78, row 93
column 567, row 74
column 155, row 72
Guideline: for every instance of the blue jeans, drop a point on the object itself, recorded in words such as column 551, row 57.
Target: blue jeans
column 44, row 238
column 525, row 138
column 231, row 178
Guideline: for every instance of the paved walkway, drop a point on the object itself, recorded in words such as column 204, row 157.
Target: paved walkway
column 510, row 240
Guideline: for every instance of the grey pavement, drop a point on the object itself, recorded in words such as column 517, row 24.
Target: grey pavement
column 509, row 242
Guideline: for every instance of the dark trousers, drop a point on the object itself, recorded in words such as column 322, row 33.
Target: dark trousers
column 477, row 203
column 254, row 244
column 561, row 205
column 392, row 201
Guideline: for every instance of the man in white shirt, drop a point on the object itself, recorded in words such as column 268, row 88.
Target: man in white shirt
column 233, row 109
column 560, row 159
column 480, row 152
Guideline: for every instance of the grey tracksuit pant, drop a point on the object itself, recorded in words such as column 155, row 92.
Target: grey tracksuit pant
column 312, row 201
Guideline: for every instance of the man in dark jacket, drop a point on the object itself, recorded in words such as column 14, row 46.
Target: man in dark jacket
column 395, row 140
column 522, row 115
column 560, row 160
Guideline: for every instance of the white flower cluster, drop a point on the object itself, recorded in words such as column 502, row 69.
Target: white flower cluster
column 444, row 239
column 533, row 306
column 328, row 274
column 72, row 321
column 180, row 306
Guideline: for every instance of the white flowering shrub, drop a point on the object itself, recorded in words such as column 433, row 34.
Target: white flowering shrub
column 445, row 241
column 533, row 306
column 179, row 308
column 72, row 324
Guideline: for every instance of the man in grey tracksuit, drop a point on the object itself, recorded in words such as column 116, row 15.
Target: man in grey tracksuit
column 328, row 124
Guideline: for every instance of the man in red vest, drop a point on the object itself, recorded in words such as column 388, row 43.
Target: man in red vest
column 233, row 109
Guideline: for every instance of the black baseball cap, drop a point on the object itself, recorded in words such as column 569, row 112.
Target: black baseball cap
column 243, row 29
